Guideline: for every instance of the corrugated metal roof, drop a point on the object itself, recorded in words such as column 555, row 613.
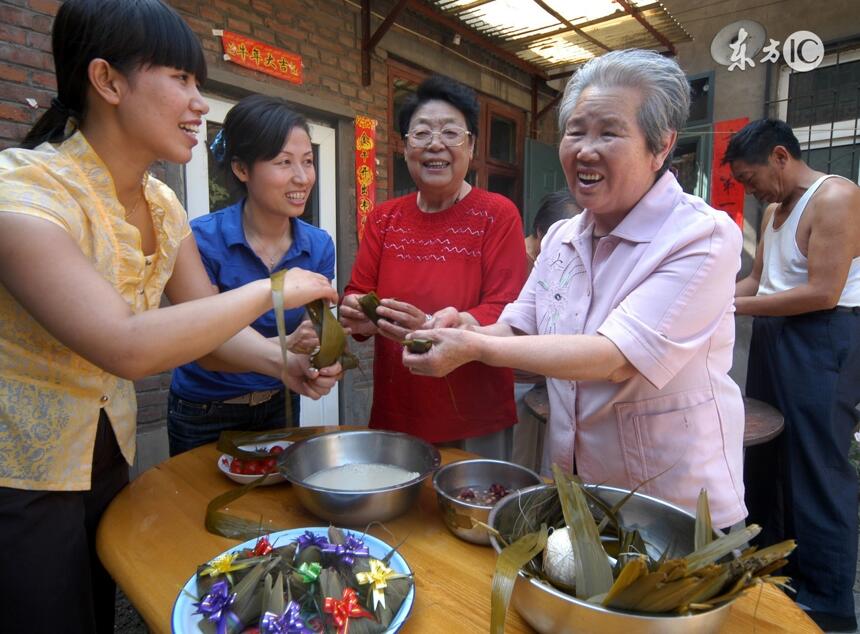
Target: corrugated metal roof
column 556, row 35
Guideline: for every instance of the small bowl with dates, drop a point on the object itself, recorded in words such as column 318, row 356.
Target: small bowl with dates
column 467, row 490
column 243, row 470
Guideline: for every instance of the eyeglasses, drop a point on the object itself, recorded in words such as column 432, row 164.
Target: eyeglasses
column 451, row 136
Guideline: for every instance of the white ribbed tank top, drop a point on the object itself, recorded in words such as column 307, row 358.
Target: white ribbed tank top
column 784, row 266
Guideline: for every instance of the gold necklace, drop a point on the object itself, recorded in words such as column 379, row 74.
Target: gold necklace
column 257, row 243
column 264, row 254
column 140, row 199
column 133, row 209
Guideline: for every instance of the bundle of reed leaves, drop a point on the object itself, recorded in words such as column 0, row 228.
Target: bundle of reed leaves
column 704, row 579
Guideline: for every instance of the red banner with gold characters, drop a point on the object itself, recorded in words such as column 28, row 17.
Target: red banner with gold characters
column 726, row 193
column 267, row 59
column 365, row 170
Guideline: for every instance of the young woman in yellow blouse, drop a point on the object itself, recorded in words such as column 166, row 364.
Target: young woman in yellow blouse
column 88, row 244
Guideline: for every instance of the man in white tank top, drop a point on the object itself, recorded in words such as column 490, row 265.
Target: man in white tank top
column 804, row 290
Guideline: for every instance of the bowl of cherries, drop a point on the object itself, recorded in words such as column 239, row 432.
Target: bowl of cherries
column 243, row 470
column 467, row 491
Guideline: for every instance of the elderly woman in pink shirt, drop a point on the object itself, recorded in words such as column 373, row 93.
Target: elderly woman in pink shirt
column 629, row 308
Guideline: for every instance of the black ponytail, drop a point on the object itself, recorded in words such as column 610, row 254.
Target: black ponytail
column 50, row 126
column 128, row 34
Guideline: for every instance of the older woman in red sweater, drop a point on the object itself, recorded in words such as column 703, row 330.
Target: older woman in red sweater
column 449, row 247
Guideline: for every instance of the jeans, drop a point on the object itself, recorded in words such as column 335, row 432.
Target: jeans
column 191, row 424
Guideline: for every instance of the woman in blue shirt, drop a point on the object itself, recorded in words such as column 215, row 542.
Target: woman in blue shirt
column 265, row 150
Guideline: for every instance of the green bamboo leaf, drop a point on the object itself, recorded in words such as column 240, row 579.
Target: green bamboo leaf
column 674, row 569
column 634, row 593
column 677, row 595
column 711, row 585
column 593, row 570
column 780, row 582
column 332, row 338
column 720, row 547
column 704, row 534
column 221, row 523
column 277, row 282
column 634, row 569
column 417, row 346
column 611, row 513
column 248, row 604
column 630, row 546
column 368, row 304
column 508, row 564
column 763, row 562
column 670, row 596
column 273, row 594
column 739, row 586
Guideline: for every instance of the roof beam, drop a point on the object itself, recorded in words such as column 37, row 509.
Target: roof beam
column 558, row 16
column 551, row 104
column 476, row 37
column 518, row 43
column 466, row 7
column 561, row 75
column 369, row 42
column 633, row 11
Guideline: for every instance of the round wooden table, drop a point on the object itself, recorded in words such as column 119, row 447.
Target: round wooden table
column 152, row 538
column 762, row 422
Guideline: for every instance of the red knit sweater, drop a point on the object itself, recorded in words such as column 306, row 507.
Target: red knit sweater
column 470, row 256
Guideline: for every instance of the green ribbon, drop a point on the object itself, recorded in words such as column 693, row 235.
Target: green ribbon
column 309, row 572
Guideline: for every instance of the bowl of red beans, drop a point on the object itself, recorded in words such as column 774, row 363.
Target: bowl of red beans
column 245, row 470
column 467, row 490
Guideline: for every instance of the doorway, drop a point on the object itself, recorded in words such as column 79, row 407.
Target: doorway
column 206, row 191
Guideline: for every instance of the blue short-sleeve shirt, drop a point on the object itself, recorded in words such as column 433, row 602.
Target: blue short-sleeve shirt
column 231, row 263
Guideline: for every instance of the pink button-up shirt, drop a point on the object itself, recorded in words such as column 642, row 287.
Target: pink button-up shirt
column 660, row 286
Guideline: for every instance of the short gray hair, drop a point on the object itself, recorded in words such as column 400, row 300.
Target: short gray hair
column 664, row 86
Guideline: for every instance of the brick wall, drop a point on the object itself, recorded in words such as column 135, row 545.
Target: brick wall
column 26, row 66
column 325, row 33
column 152, row 398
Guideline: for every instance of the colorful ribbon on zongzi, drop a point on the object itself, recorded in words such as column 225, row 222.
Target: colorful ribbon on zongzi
column 378, row 578
column 345, row 609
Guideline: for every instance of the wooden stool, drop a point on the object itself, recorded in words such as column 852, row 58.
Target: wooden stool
column 537, row 400
column 762, row 422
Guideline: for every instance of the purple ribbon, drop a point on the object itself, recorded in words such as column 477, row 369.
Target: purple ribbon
column 290, row 622
column 215, row 606
column 349, row 550
column 308, row 539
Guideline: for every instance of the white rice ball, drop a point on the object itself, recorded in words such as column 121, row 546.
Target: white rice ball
column 558, row 560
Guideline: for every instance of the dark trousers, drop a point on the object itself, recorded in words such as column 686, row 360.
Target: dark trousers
column 52, row 579
column 802, row 485
column 191, row 424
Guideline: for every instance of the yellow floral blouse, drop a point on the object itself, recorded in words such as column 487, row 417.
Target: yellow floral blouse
column 50, row 396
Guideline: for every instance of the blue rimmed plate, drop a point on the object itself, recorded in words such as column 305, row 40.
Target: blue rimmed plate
column 184, row 621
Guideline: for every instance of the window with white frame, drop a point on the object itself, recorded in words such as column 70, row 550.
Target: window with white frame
column 823, row 108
